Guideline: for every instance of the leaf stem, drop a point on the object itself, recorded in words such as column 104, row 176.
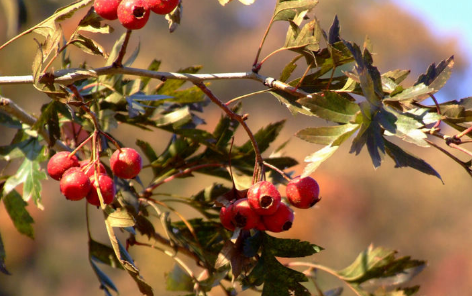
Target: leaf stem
column 255, row 66
column 119, row 59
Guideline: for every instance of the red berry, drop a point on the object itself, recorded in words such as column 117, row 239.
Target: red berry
column 133, row 14
column 89, row 169
column 263, row 198
column 126, row 163
column 107, row 8
column 303, row 193
column 60, row 163
column 226, row 217
column 163, row 6
column 243, row 215
column 107, row 188
column 75, row 185
column 281, row 220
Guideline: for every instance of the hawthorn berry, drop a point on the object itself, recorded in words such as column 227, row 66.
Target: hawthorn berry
column 107, row 188
column 226, row 217
column 126, row 163
column 107, row 9
column 75, row 185
column 133, row 14
column 303, row 193
column 163, row 6
column 89, row 169
column 61, row 162
column 263, row 198
column 281, row 220
column 243, row 215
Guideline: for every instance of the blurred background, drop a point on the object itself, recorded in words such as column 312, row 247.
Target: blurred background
column 399, row 209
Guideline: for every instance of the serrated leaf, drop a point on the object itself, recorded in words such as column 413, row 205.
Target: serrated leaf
column 287, row 10
column 120, row 218
column 331, row 106
column 92, row 23
column 178, row 280
column 30, row 175
column 404, row 159
column 436, row 76
column 317, row 158
column 25, row 146
column 397, row 75
column 369, row 76
column 415, row 93
column 289, row 248
column 88, row 45
column 306, row 39
column 16, row 209
column 264, row 137
column 3, row 268
column 406, row 126
column 377, row 263
column 327, row 135
column 105, row 281
column 104, row 254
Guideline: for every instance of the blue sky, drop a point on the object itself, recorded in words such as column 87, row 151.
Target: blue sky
column 446, row 18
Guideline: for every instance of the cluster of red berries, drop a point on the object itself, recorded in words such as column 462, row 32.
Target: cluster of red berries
column 77, row 178
column 263, row 209
column 133, row 14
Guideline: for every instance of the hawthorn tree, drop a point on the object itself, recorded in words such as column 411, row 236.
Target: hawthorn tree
column 339, row 84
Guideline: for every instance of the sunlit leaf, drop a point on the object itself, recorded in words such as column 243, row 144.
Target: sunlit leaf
column 331, row 106
column 327, row 135
column 287, row 10
column 120, row 218
column 437, row 76
column 178, row 280
column 317, row 158
column 88, row 45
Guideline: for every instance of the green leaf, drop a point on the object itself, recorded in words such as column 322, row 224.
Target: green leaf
column 404, row 159
column 403, row 125
column 16, row 209
column 30, row 174
column 173, row 18
column 289, row 68
column 305, row 40
column 369, row 76
column 415, row 93
column 287, row 10
column 178, row 280
column 370, row 134
column 3, row 268
column 317, row 158
column 105, row 281
column 264, row 137
column 291, row 102
column 154, row 66
column 289, row 248
column 120, row 218
column 327, row 135
column 92, row 23
column 436, row 76
column 331, row 106
column 378, row 263
column 104, row 254
column 27, row 147
column 172, row 85
column 397, row 75
column 88, row 45
column 8, row 121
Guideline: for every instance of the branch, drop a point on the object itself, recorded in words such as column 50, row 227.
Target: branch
column 13, row 109
column 68, row 76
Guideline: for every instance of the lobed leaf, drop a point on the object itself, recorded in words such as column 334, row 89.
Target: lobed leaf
column 331, row 106
column 327, row 135
column 404, row 159
column 287, row 10
column 16, row 209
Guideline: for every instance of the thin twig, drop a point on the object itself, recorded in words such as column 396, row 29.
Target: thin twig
column 241, row 119
column 460, row 162
column 119, row 59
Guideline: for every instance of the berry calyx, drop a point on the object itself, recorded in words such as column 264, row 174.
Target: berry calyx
column 303, row 193
column 133, row 14
column 243, row 215
column 75, row 185
column 264, row 198
column 107, row 188
column 226, row 217
column 89, row 168
column 163, row 6
column 107, row 9
column 60, row 163
column 281, row 220
column 126, row 163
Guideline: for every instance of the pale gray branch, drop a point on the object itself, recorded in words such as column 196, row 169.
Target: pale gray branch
column 69, row 76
